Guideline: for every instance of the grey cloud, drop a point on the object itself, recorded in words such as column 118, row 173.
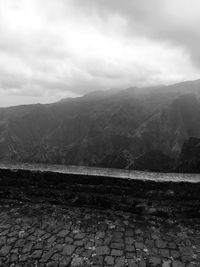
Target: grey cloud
column 155, row 19
column 70, row 45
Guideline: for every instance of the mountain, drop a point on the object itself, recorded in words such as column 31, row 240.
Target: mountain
column 136, row 128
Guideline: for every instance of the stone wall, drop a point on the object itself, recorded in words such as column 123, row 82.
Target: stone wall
column 160, row 198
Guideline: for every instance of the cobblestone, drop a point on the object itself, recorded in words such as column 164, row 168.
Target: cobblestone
column 52, row 235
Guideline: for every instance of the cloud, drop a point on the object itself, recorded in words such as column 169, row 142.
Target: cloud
column 172, row 21
column 57, row 48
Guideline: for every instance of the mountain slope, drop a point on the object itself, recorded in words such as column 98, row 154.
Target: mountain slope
column 117, row 128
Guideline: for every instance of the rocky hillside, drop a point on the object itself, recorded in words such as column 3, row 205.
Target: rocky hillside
column 138, row 128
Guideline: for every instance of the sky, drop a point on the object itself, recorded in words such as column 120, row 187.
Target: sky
column 53, row 49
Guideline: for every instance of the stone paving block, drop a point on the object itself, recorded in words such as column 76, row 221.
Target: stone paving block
column 78, row 243
column 117, row 245
column 102, row 250
column 166, row 263
column 175, row 254
column 36, row 254
column 129, row 240
column 46, row 236
column 132, row 263
column 192, row 265
column 11, row 240
column 130, row 248
column 178, row 264
column 58, row 247
column 5, row 250
column 15, row 250
column 119, row 262
column 171, row 245
column 13, row 258
column 130, row 255
column 87, row 253
column 64, row 262
column 160, row 243
column 155, row 236
column 32, row 238
column 153, row 251
column 99, row 242
column 186, row 258
column 117, row 235
column 129, row 233
column 107, row 241
column 77, row 262
column 56, row 257
column 139, row 245
column 109, row 260
column 167, row 237
column 155, row 260
column 116, row 252
column 46, row 256
column 198, row 256
column 138, row 232
column 149, row 242
column 79, row 236
column 51, row 264
column 142, row 263
column 63, row 233
column 164, row 253
column 117, row 240
column 139, row 238
column 68, row 240
column 51, row 239
column 100, row 234
column 39, row 245
column 20, row 243
column 40, row 232
column 27, row 247
column 4, row 233
column 68, row 250
column 2, row 240
column 97, row 260
column 188, row 242
column 24, row 257
column 187, row 251
column 79, row 251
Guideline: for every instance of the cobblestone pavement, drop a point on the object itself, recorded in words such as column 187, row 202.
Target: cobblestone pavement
column 49, row 235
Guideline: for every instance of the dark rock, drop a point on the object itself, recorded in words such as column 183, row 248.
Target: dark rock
column 189, row 160
column 153, row 160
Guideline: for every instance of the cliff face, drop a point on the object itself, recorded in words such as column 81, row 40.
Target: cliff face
column 120, row 129
column 189, row 159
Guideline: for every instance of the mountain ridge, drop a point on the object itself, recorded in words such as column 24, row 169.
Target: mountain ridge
column 107, row 129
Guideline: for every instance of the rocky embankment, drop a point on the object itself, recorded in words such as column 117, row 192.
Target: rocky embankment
column 158, row 197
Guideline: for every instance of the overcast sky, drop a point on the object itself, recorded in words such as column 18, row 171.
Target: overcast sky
column 51, row 49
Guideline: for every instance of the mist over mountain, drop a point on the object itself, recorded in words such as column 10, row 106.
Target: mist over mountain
column 135, row 128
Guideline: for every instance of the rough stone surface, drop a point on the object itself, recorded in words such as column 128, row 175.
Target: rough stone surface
column 41, row 234
column 157, row 196
column 68, row 250
column 109, row 260
column 103, row 250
